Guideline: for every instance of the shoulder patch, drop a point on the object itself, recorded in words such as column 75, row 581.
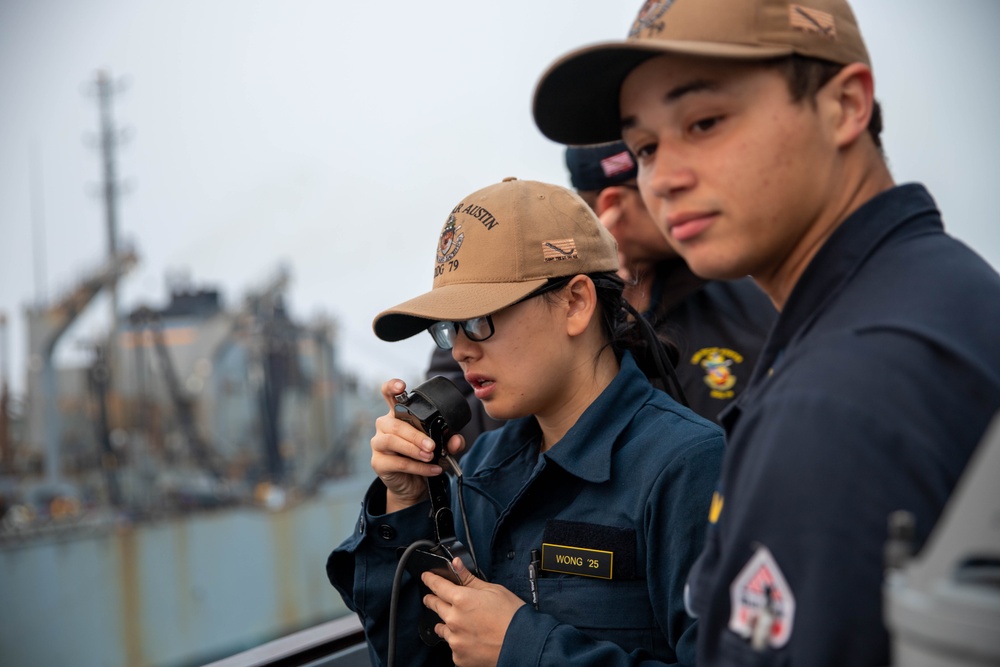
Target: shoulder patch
column 762, row 606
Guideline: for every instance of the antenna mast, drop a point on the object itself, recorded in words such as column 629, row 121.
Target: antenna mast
column 105, row 89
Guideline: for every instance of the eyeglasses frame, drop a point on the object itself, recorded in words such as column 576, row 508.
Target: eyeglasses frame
column 441, row 325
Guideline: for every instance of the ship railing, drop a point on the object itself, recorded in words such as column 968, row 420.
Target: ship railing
column 339, row 643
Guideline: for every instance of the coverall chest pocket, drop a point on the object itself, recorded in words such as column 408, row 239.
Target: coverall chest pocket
column 617, row 611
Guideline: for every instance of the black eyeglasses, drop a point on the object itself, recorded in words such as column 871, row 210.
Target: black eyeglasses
column 479, row 329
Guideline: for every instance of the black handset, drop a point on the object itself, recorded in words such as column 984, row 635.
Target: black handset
column 436, row 560
column 439, row 409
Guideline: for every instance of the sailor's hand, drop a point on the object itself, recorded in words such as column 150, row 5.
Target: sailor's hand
column 475, row 615
column 402, row 454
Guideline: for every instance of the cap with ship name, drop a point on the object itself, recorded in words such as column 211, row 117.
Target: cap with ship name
column 576, row 99
column 497, row 246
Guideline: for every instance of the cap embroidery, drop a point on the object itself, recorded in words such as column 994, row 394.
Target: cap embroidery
column 619, row 163
column 482, row 215
column 812, row 20
column 449, row 244
column 559, row 250
column 650, row 13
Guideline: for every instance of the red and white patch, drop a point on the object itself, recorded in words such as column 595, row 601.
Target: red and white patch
column 619, row 163
column 761, row 603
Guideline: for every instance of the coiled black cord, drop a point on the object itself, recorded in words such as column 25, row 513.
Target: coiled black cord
column 465, row 520
column 394, row 596
column 397, row 578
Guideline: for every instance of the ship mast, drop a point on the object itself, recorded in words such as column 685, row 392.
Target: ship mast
column 105, row 89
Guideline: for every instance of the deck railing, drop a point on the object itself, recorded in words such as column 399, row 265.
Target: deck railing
column 339, row 643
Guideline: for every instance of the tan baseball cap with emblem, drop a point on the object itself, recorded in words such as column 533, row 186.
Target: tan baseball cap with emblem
column 497, row 246
column 576, row 99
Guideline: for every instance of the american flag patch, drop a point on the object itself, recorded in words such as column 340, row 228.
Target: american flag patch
column 812, row 20
column 616, row 164
column 553, row 251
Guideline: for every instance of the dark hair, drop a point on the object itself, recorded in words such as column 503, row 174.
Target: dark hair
column 625, row 329
column 805, row 76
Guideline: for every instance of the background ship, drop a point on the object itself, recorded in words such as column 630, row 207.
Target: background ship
column 173, row 500
column 171, row 497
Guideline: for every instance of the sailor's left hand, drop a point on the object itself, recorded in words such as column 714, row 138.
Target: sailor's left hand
column 475, row 614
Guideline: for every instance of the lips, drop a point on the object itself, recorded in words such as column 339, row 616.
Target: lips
column 482, row 385
column 686, row 226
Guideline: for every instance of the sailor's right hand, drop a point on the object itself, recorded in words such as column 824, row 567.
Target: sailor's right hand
column 401, row 454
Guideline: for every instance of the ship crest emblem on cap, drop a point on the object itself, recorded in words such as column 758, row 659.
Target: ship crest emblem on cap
column 450, row 242
column 650, row 13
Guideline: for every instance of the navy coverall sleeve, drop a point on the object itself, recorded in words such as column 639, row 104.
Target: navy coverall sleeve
column 816, row 471
column 362, row 570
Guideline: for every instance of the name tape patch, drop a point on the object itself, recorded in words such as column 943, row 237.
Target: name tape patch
column 577, row 560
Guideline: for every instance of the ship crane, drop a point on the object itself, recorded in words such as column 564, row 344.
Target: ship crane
column 46, row 325
column 183, row 405
column 273, row 364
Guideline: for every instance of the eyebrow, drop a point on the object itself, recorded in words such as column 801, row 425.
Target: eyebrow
column 676, row 93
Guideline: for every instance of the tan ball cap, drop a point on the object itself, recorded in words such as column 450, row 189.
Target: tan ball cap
column 497, row 246
column 576, row 99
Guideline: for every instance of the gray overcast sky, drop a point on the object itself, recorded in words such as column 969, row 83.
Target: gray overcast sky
column 335, row 137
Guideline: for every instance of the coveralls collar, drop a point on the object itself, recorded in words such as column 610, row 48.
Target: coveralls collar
column 840, row 258
column 586, row 449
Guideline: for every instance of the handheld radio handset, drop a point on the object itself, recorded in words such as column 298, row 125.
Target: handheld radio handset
column 439, row 409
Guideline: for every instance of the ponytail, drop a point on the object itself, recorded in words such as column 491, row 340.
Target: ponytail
column 626, row 329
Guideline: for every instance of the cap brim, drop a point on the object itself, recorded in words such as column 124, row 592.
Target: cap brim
column 455, row 302
column 576, row 99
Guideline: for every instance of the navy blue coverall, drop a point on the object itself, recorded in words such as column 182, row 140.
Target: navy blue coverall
column 632, row 478
column 870, row 396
